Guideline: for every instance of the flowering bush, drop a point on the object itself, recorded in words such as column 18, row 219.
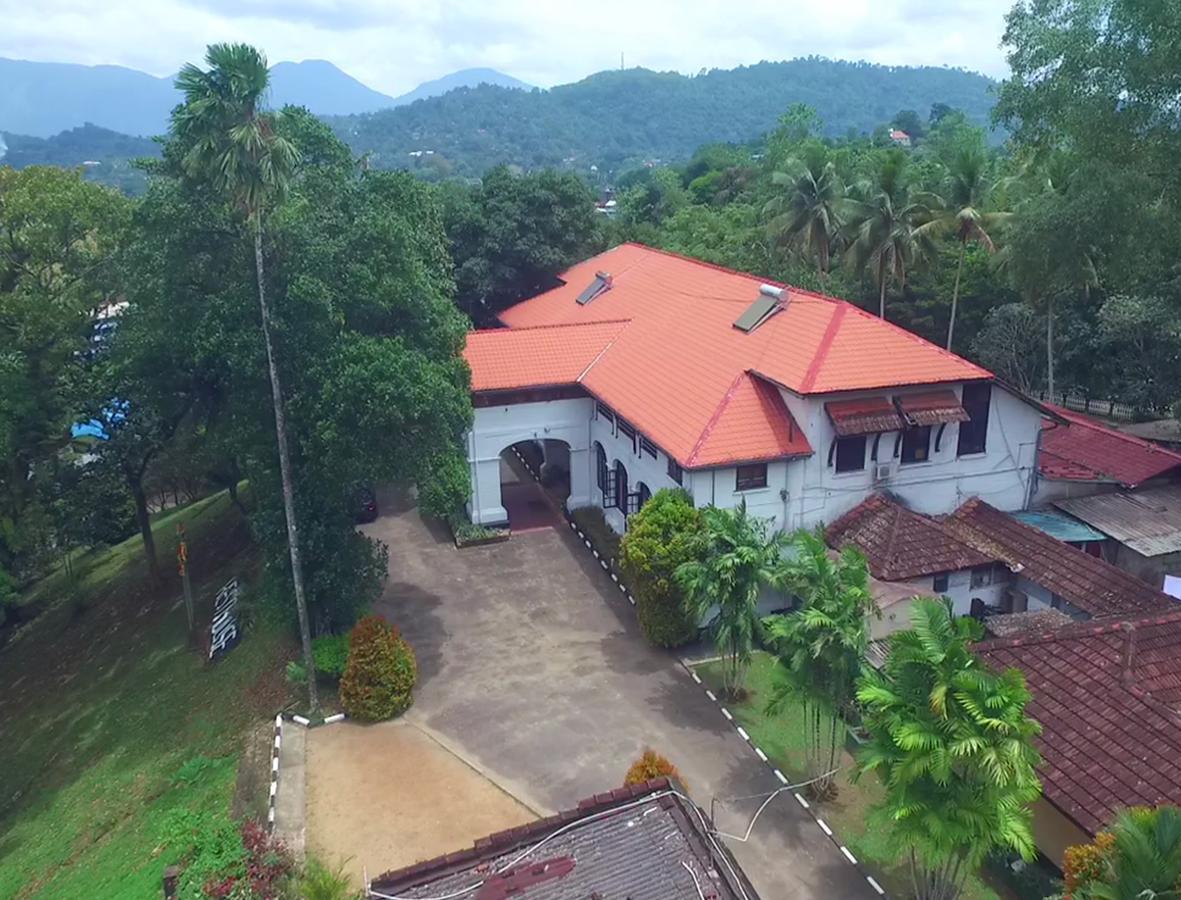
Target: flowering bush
column 260, row 874
column 380, row 673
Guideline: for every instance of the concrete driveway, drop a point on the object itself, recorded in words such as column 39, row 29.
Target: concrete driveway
column 532, row 669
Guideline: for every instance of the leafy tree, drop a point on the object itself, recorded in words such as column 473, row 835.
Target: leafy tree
column 232, row 145
column 664, row 534
column 890, row 226
column 512, row 234
column 1009, row 345
column 952, row 745
column 821, row 646
column 59, row 239
column 909, row 121
column 740, row 556
column 811, row 206
column 1139, row 856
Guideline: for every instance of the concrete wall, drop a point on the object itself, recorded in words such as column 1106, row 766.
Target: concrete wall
column 1053, row 832
column 640, row 465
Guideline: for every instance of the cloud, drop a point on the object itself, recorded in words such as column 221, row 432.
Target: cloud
column 393, row 45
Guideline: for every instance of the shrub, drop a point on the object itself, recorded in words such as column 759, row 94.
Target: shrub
column 380, row 673
column 651, row 765
column 665, row 533
column 318, row 881
column 331, row 653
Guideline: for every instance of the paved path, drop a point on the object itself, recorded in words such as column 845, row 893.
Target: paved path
column 289, row 798
column 531, row 665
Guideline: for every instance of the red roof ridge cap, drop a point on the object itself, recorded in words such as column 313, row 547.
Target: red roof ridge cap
column 713, row 419
column 549, row 325
column 830, row 333
column 607, row 346
column 701, row 262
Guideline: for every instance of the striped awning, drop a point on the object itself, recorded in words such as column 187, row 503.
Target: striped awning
column 866, row 415
column 931, row 408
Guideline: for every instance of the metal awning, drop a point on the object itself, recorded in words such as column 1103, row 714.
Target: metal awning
column 1059, row 525
column 867, row 415
column 932, row 408
column 1148, row 522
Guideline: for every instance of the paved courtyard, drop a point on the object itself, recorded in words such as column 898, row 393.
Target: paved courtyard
column 532, row 669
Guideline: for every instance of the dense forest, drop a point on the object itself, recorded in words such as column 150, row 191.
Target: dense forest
column 106, row 156
column 616, row 118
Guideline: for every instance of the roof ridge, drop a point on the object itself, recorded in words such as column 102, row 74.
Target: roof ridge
column 1078, row 418
column 1079, row 630
column 550, row 326
column 607, row 346
column 701, row 262
column 713, row 419
column 830, row 334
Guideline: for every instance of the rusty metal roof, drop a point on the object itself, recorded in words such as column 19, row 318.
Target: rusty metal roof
column 1148, row 521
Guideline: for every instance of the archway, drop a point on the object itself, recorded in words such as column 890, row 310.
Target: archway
column 529, row 470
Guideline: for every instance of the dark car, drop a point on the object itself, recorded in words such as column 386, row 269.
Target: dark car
column 364, row 505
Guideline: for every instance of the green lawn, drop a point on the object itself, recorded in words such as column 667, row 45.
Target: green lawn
column 781, row 737
column 112, row 728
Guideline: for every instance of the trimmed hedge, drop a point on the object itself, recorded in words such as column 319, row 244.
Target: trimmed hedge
column 380, row 673
column 668, row 531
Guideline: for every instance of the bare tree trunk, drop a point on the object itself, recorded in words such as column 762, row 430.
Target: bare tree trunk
column 881, row 291
column 143, row 517
column 1050, row 348
column 955, row 294
column 285, row 475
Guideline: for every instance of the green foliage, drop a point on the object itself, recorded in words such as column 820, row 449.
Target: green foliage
column 952, row 744
column 319, row 881
column 331, row 653
column 207, row 844
column 649, row 766
column 1138, row 856
column 821, row 645
column 739, row 556
column 666, row 533
column 594, row 525
column 296, row 672
column 380, row 673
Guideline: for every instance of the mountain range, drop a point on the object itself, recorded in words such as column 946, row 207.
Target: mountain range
column 40, row 99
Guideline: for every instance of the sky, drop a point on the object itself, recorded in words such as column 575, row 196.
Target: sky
column 393, row 45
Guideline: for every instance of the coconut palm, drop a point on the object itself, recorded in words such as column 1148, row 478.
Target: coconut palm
column 821, row 645
column 953, row 746
column 229, row 143
column 1141, row 860
column 890, row 226
column 738, row 558
column 809, row 209
column 966, row 187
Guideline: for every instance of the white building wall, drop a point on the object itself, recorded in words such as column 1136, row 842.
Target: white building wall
column 640, row 466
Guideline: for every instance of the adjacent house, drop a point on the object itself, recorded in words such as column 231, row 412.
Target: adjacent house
column 646, row 842
column 645, row 370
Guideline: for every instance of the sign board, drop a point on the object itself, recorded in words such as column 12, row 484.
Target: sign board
column 223, row 633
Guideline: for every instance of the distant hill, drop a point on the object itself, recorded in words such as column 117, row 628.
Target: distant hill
column 44, row 99
column 462, row 78
column 617, row 118
column 103, row 154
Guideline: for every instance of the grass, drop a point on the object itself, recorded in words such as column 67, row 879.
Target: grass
column 113, row 728
column 782, row 738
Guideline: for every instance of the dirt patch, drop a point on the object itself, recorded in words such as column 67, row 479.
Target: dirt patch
column 253, row 784
column 385, row 796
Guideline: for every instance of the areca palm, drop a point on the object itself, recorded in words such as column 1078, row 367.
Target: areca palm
column 953, row 746
column 966, row 187
column 821, row 645
column 890, row 226
column 232, row 145
column 810, row 208
column 738, row 559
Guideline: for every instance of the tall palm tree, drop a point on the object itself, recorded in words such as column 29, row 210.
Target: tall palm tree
column 230, row 143
column 966, row 187
column 810, row 208
column 890, row 226
column 739, row 557
column 821, row 645
column 1141, row 860
column 953, row 747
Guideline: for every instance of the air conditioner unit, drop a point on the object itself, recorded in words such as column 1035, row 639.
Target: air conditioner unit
column 883, row 471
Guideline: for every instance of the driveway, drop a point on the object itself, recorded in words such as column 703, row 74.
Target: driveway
column 531, row 668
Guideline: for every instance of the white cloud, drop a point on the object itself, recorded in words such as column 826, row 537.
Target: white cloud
column 393, row 45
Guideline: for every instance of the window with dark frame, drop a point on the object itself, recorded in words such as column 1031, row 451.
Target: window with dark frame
column 749, row 478
column 675, row 472
column 627, row 431
column 939, row 585
column 850, row 455
column 646, row 446
column 620, row 487
column 601, row 468
column 916, row 445
column 976, row 400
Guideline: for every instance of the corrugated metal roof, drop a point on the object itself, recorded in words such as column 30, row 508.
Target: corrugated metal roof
column 1148, row 522
column 1060, row 526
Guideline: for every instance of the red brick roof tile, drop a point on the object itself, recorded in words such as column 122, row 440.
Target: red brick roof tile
column 501, row 359
column 1087, row 450
column 1111, row 736
column 900, row 544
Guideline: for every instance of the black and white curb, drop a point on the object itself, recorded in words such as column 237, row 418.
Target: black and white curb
column 275, row 745
column 824, row 826
column 307, row 723
column 602, row 562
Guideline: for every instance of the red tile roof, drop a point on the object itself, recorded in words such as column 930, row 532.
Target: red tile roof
column 1086, row 582
column 673, row 369
column 750, row 424
column 932, row 408
column 901, row 544
column 863, row 415
column 503, row 359
column 1087, row 450
column 1111, row 735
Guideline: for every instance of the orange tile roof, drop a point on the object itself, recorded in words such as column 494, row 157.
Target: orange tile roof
column 676, row 370
column 504, row 359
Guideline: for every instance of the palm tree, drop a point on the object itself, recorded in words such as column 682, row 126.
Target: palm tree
column 229, row 143
column 810, row 208
column 1140, row 859
column 821, row 645
column 738, row 559
column 953, row 747
column 966, row 187
column 890, row 226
